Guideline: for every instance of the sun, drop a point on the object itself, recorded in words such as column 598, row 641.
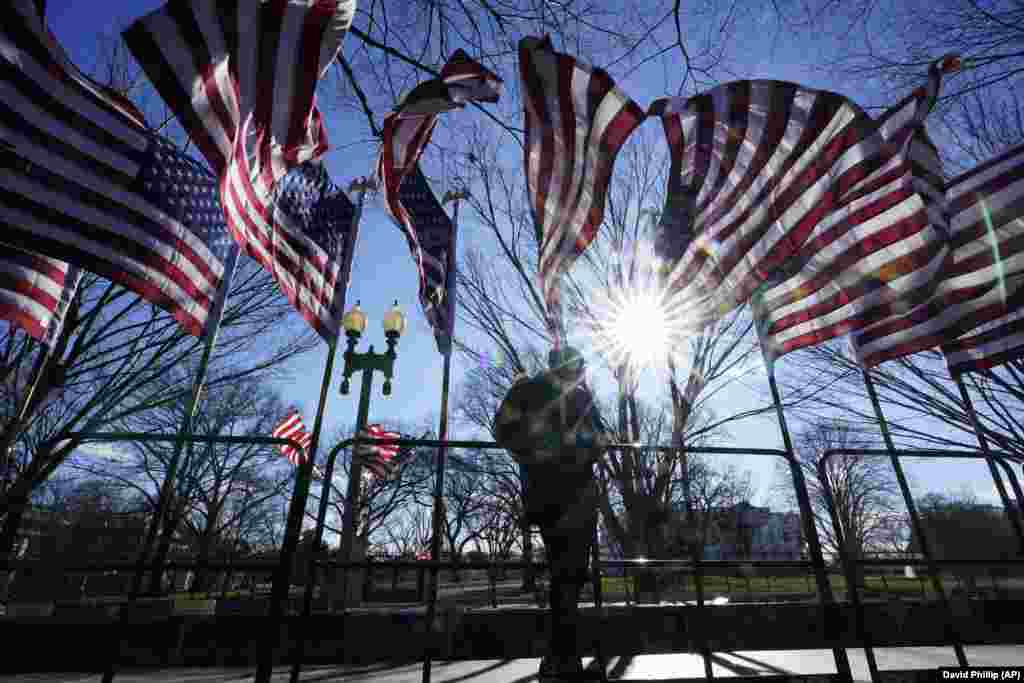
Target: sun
column 640, row 330
column 634, row 329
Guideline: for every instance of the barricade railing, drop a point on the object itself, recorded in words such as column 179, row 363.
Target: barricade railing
column 700, row 570
column 849, row 562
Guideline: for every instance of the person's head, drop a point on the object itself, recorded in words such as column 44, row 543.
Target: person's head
column 566, row 364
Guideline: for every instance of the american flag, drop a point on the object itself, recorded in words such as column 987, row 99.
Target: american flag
column 576, row 122
column 435, row 237
column 379, row 459
column 836, row 218
column 35, row 293
column 241, row 77
column 407, row 131
column 974, row 309
column 293, row 428
column 82, row 180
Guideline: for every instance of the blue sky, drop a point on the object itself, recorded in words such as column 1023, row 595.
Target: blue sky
column 383, row 269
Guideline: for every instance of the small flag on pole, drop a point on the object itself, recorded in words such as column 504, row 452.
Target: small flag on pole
column 380, row 459
column 293, row 428
column 435, row 237
column 407, row 131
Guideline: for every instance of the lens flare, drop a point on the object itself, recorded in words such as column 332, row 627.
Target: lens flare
column 638, row 330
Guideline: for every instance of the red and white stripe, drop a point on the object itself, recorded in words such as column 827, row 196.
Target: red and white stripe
column 987, row 346
column 379, row 459
column 981, row 289
column 293, row 428
column 35, row 292
column 801, row 188
column 408, row 129
column 240, row 77
column 576, row 122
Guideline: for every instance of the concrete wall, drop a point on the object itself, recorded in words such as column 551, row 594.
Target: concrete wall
column 83, row 641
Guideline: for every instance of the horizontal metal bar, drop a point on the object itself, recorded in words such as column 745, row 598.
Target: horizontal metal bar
column 922, row 561
column 142, row 436
column 918, row 453
column 711, row 450
column 270, row 566
column 131, row 566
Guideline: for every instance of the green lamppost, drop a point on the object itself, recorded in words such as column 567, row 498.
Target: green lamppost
column 354, row 324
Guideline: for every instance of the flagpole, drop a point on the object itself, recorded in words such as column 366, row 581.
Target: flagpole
column 442, row 451
column 979, row 434
column 40, row 368
column 362, row 185
column 296, row 510
column 807, row 515
column 160, row 513
column 915, row 521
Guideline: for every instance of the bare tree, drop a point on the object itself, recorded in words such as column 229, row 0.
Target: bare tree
column 115, row 347
column 916, row 393
column 409, row 534
column 219, row 485
column 109, row 364
column 864, row 489
column 895, row 41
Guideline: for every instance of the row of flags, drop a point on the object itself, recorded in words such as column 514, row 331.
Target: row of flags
column 380, row 460
column 830, row 222
column 89, row 186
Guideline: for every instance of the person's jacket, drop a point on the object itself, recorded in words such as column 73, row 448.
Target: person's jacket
column 556, row 441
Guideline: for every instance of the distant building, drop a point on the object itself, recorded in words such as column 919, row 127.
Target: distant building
column 742, row 532
column 747, row 532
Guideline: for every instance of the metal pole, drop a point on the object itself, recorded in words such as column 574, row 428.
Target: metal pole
column 435, row 542
column 442, row 451
column 1014, row 484
column 848, row 570
column 307, row 598
column 355, row 475
column 901, row 478
column 810, row 530
column 296, row 511
column 161, row 514
column 979, row 433
column 362, row 185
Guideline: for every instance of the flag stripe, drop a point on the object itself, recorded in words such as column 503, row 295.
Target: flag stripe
column 35, row 292
column 793, row 195
column 980, row 290
column 576, row 122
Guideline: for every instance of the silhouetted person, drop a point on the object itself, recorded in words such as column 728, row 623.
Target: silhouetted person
column 551, row 427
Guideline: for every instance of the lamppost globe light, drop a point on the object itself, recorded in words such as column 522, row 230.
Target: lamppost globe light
column 394, row 321
column 354, row 321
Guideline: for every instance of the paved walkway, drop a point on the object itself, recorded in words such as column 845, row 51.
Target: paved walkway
column 641, row 668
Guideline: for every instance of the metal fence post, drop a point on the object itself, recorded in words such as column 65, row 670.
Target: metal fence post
column 915, row 520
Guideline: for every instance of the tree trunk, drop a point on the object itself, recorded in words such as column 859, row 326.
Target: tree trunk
column 529, row 575
column 163, row 548
column 203, row 573
column 17, row 505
